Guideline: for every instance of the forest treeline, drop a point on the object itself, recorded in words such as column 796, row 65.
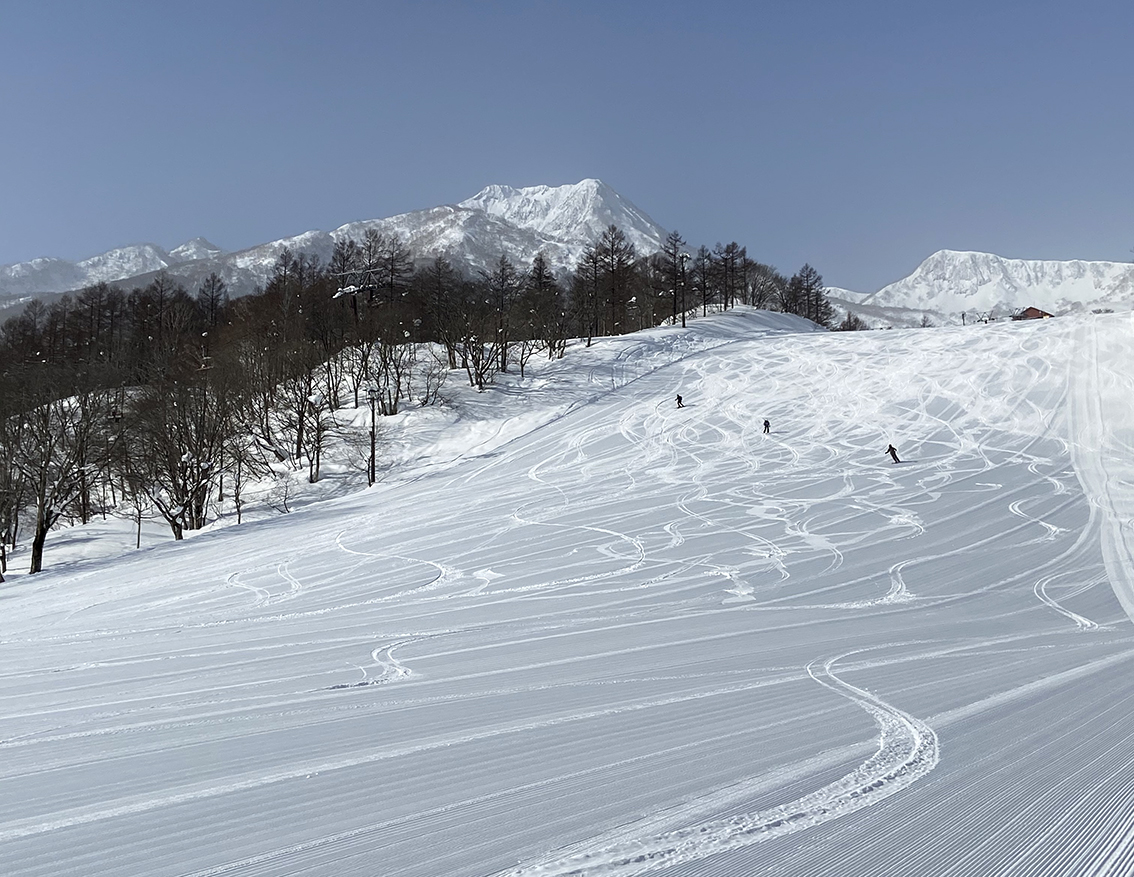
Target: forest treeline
column 168, row 401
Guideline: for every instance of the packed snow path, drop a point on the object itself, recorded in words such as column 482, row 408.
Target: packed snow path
column 615, row 637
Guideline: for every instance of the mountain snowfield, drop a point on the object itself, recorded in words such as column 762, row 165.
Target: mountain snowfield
column 581, row 631
column 576, row 215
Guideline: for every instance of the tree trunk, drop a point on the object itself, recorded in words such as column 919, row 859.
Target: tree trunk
column 44, row 520
column 236, row 489
column 37, row 548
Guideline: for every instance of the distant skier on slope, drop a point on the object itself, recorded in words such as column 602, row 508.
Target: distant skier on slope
column 680, row 404
column 893, row 452
column 767, row 427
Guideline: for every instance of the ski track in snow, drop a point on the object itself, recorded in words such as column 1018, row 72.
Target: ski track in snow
column 588, row 646
column 907, row 750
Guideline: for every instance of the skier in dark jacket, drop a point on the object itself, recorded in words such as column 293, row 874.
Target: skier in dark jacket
column 680, row 404
column 893, row 452
column 767, row 427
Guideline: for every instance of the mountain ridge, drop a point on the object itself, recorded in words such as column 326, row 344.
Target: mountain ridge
column 559, row 221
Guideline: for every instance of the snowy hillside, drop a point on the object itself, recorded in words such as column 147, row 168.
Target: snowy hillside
column 845, row 301
column 558, row 221
column 589, row 633
column 951, row 282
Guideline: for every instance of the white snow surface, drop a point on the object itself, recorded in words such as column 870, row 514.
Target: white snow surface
column 582, row 631
column 950, row 282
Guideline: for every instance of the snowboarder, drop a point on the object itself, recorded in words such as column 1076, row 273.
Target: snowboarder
column 767, row 427
column 680, row 404
column 893, row 452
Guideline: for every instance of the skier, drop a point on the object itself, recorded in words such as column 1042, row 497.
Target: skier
column 680, row 404
column 893, row 452
column 767, row 427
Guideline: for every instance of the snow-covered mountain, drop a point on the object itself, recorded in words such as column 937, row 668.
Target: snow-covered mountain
column 198, row 248
column 559, row 221
column 59, row 275
column 949, row 282
column 574, row 216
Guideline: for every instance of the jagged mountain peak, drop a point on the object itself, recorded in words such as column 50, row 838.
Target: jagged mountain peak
column 531, row 203
column 577, row 213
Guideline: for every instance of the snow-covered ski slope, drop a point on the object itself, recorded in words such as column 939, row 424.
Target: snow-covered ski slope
column 611, row 637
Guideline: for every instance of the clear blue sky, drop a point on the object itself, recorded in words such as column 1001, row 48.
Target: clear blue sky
column 857, row 136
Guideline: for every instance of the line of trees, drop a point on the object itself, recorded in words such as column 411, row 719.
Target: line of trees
column 159, row 401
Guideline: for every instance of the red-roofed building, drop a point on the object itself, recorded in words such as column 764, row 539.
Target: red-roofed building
column 1031, row 313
